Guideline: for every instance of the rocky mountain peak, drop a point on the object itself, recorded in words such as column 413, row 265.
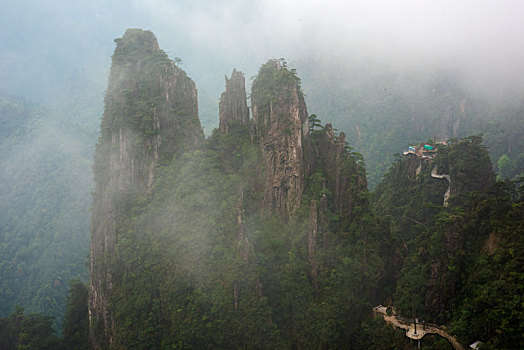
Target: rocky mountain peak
column 233, row 103
column 151, row 113
column 280, row 120
column 135, row 41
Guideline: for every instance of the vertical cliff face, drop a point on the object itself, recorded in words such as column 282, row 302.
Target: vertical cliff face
column 151, row 112
column 233, row 103
column 344, row 175
column 281, row 123
column 182, row 257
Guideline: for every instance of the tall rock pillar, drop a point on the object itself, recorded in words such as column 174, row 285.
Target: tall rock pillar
column 233, row 104
column 151, row 112
column 281, row 123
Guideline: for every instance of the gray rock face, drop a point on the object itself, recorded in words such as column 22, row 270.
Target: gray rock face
column 233, row 103
column 280, row 120
column 151, row 112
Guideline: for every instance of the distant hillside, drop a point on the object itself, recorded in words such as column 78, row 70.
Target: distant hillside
column 383, row 109
column 45, row 185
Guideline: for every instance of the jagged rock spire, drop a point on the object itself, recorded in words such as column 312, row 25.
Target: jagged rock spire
column 151, row 113
column 281, row 122
column 233, row 103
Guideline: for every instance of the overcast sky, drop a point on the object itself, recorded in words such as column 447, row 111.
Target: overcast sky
column 479, row 30
column 44, row 39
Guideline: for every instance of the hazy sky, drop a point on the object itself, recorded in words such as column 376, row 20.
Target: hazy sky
column 481, row 30
column 47, row 42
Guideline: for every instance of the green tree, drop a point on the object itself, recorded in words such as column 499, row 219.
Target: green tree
column 503, row 165
column 37, row 333
column 10, row 329
column 76, row 322
column 28, row 332
column 314, row 122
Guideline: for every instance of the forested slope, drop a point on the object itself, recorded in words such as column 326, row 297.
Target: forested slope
column 45, row 184
column 459, row 265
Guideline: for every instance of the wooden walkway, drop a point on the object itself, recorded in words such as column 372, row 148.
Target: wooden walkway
column 421, row 331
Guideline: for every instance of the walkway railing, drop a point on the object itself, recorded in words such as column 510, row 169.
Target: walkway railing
column 418, row 333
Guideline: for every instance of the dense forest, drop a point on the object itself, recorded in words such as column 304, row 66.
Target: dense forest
column 263, row 234
column 460, row 262
column 45, row 183
column 21, row 330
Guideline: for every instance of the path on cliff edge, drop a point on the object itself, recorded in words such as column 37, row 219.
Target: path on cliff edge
column 421, row 330
column 447, row 177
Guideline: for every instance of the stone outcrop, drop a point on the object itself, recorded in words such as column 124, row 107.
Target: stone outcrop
column 344, row 176
column 233, row 103
column 151, row 112
column 291, row 153
column 280, row 121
